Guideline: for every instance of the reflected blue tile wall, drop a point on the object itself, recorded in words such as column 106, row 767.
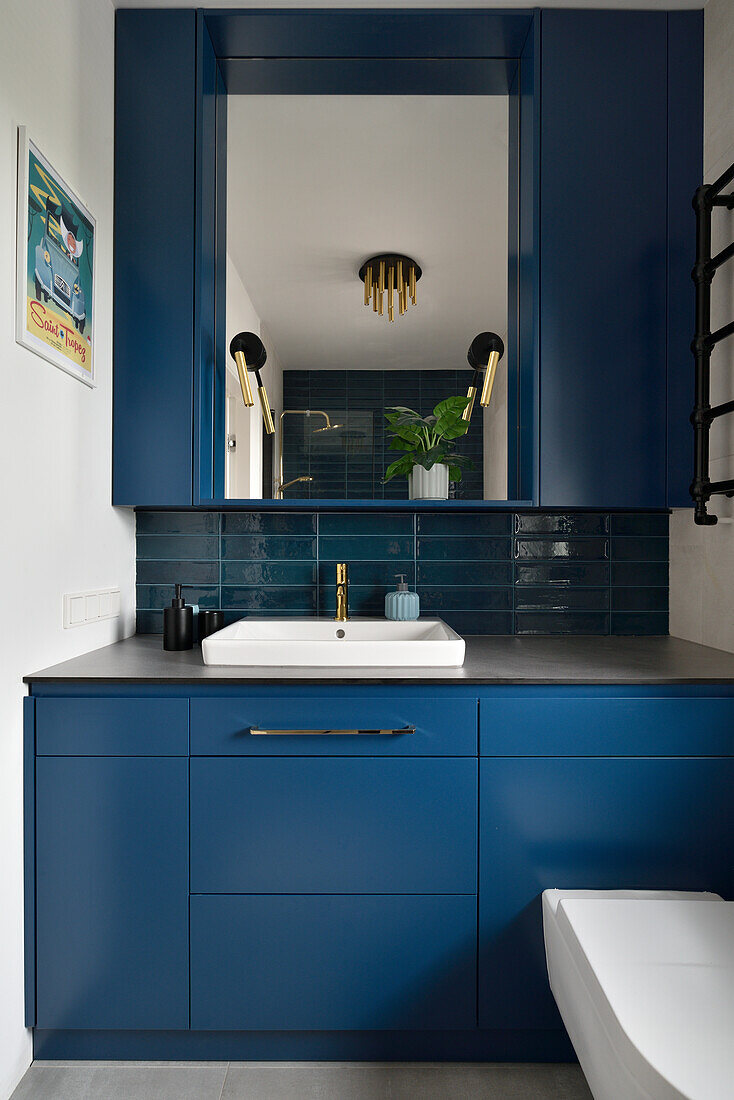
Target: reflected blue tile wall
column 483, row 572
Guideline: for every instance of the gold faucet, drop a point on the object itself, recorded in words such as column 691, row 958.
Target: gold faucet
column 286, row 484
column 342, row 593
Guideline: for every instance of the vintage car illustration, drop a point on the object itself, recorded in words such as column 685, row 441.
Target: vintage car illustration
column 56, row 269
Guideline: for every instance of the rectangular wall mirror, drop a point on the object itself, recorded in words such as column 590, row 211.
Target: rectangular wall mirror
column 317, row 185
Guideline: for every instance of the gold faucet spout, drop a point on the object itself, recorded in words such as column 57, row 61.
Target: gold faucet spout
column 342, row 593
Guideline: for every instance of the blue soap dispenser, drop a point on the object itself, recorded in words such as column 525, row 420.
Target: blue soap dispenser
column 402, row 605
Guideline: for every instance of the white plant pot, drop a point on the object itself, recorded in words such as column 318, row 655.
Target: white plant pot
column 430, row 484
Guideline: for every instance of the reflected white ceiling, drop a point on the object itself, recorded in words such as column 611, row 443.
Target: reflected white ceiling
column 316, row 184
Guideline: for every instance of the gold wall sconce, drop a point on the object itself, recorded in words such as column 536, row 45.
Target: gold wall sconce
column 249, row 354
column 484, row 354
column 384, row 276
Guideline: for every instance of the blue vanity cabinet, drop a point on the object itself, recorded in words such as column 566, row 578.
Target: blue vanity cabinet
column 629, row 792
column 348, row 861
column 111, row 864
column 213, row 871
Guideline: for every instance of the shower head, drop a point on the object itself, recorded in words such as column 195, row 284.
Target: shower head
column 327, row 428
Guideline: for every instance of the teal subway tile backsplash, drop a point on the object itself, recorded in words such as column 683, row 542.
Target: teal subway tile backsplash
column 483, row 572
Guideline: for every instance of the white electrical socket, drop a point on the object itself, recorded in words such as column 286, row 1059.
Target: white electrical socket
column 91, row 607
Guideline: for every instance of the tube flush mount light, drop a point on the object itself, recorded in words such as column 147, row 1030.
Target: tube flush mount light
column 249, row 354
column 386, row 275
column 484, row 354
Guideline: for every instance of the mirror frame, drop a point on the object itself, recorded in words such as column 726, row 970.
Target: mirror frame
column 357, row 51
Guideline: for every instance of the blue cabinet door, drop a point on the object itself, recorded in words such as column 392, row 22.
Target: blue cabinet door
column 326, row 962
column 585, row 823
column 112, row 892
column 321, row 825
column 603, row 253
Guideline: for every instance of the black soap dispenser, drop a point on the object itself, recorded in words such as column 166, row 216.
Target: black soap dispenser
column 178, row 623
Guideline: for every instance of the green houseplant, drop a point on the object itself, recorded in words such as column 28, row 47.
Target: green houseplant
column 427, row 443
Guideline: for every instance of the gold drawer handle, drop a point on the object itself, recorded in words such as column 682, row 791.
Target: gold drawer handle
column 321, row 733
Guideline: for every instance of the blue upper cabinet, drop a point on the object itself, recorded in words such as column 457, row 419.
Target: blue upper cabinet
column 608, row 110
column 605, row 279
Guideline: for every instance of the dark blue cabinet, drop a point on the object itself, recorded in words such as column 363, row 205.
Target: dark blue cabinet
column 112, row 892
column 253, row 896
column 586, row 823
column 613, row 252
column 604, row 307
column 368, row 825
column 333, row 962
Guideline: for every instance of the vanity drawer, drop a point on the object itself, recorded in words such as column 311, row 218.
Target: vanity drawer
column 333, row 963
column 440, row 725
column 112, row 727
column 330, row 825
column 545, row 723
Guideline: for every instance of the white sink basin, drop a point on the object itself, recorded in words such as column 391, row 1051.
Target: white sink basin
column 323, row 643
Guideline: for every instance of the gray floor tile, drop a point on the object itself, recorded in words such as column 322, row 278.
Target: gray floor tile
column 122, row 1081
column 331, row 1081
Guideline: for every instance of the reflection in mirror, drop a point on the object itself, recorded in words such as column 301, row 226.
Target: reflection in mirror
column 367, row 246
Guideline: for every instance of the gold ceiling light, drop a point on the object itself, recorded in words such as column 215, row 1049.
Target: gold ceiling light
column 484, row 354
column 386, row 277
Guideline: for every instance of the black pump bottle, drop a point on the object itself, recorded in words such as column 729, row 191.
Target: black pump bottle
column 178, row 623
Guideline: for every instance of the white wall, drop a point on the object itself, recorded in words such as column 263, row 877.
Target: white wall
column 245, row 465
column 59, row 532
column 702, row 558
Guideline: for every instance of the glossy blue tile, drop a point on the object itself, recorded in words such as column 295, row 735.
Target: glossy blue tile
column 271, row 598
column 589, row 549
column 641, row 623
column 271, row 548
column 233, row 615
column 466, row 565
column 363, row 599
column 561, row 599
column 563, row 622
column 632, row 523
column 177, row 547
column 639, row 549
column 628, row 573
column 181, row 572
column 268, row 572
column 449, row 573
column 479, row 622
column 158, row 596
column 465, row 523
column 381, row 573
column 149, row 622
column 177, row 523
column 268, row 523
column 561, row 523
column 466, row 598
column 366, row 547
column 440, row 548
column 563, row 573
column 344, row 524
column 639, row 599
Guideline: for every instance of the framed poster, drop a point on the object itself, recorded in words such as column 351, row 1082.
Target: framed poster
column 55, row 252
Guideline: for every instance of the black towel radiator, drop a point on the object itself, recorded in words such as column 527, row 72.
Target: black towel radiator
column 704, row 342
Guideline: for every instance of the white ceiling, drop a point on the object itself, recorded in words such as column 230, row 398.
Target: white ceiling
column 660, row 5
column 316, row 184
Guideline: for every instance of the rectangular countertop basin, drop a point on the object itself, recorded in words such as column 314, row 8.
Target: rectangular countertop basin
column 324, row 643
